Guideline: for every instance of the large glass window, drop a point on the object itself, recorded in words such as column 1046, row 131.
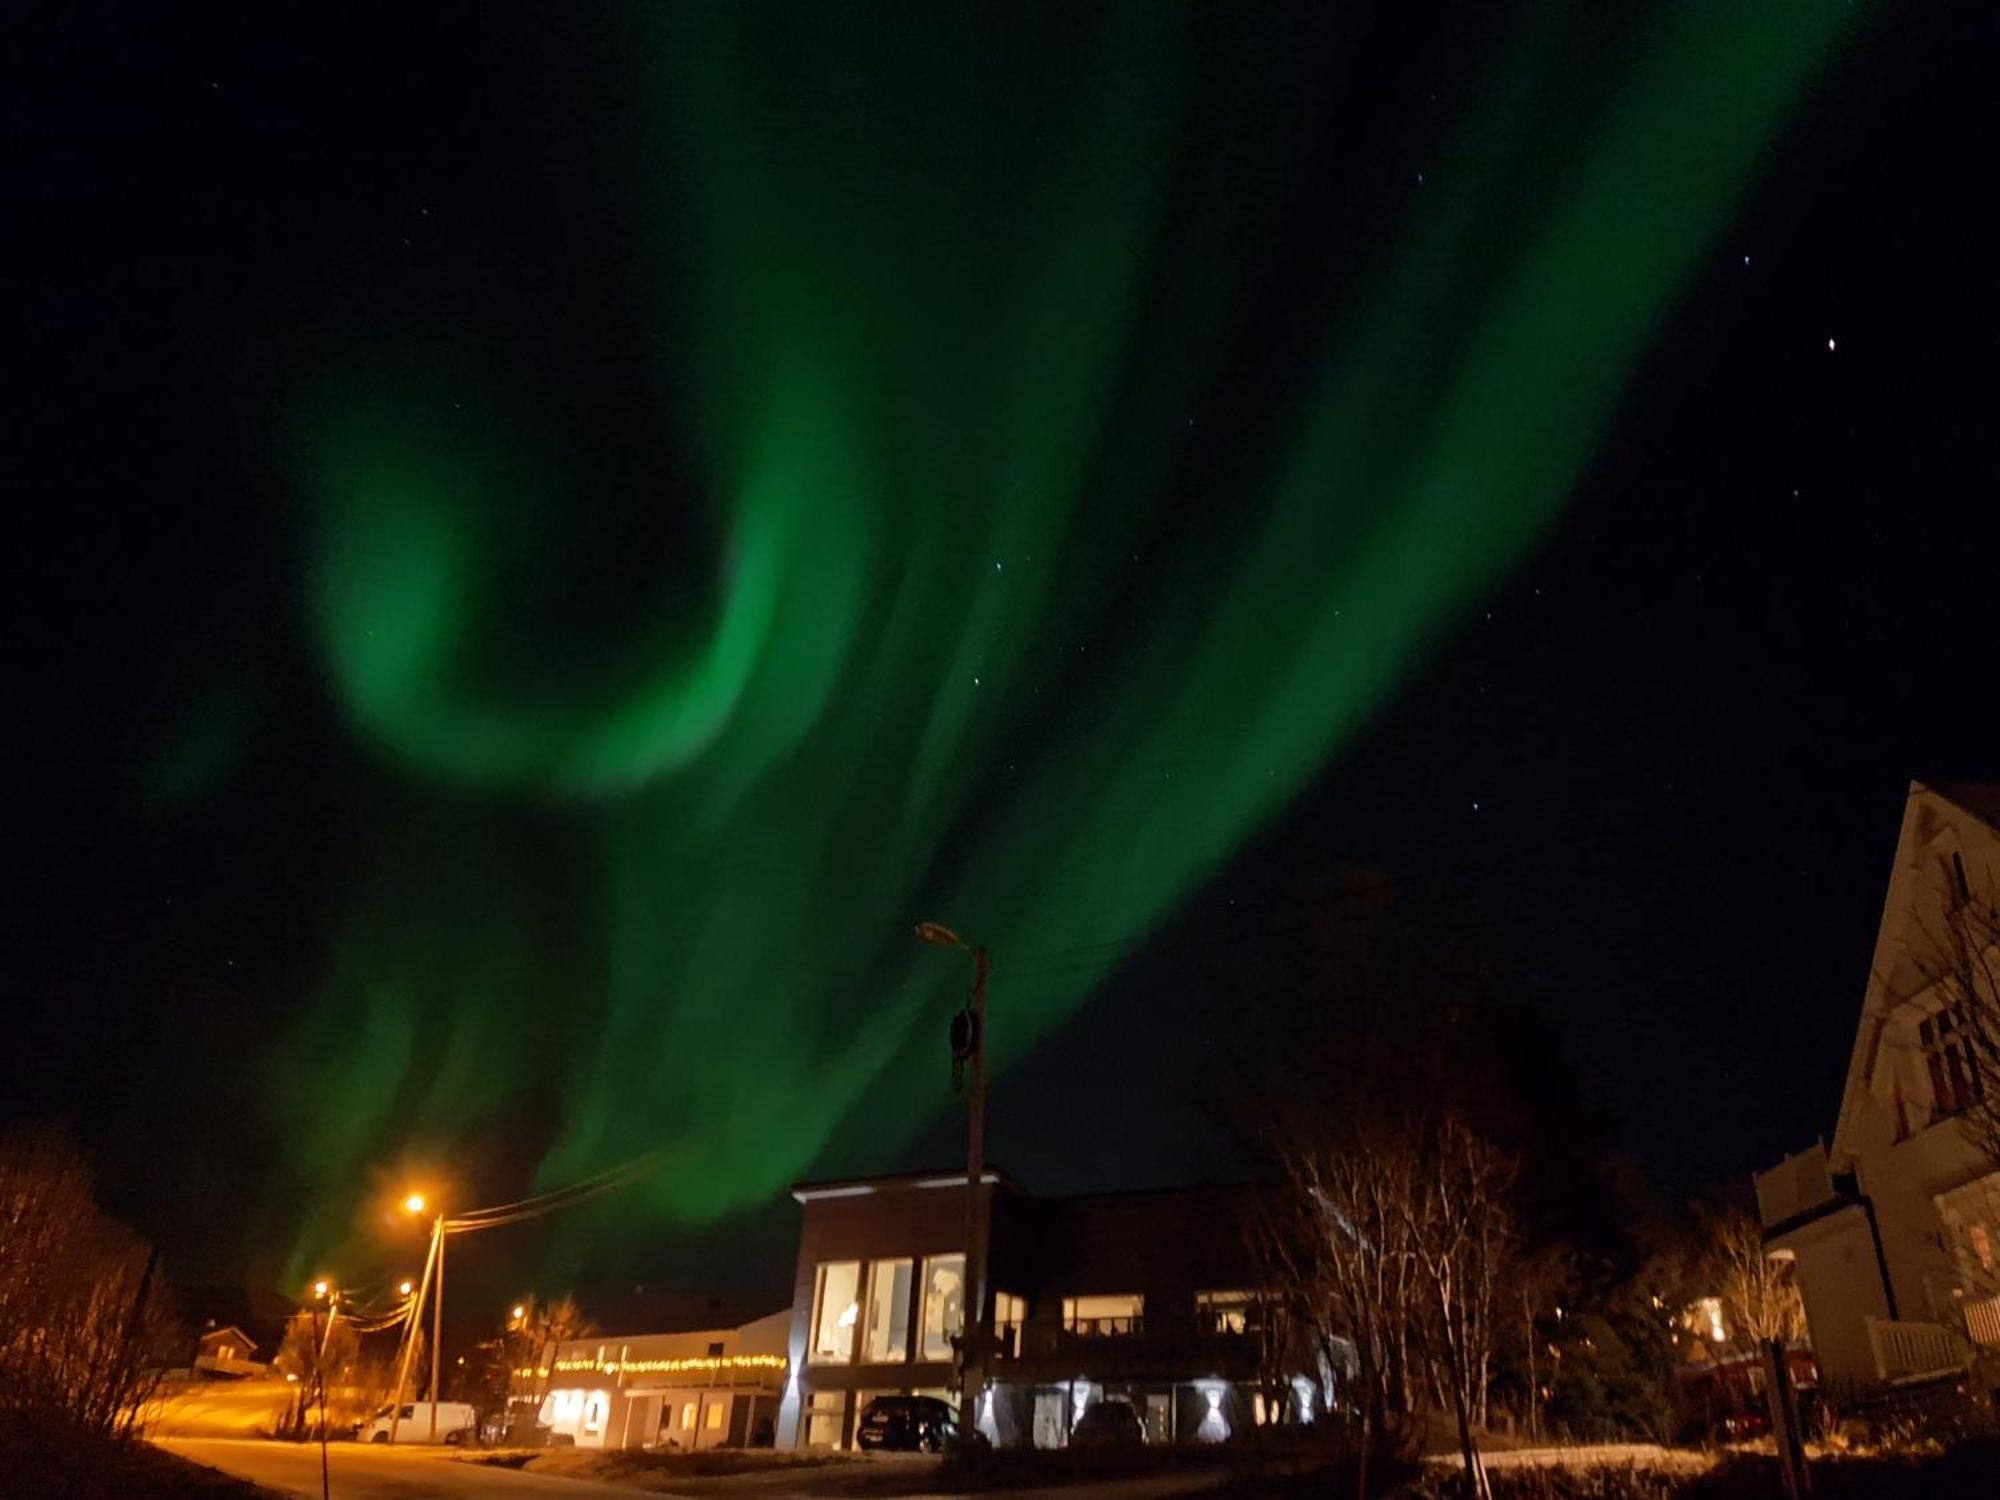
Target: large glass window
column 944, row 1304
column 1104, row 1317
column 885, row 1336
column 836, row 1309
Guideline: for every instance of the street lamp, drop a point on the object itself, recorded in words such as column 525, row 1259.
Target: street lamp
column 323, row 1292
column 405, row 1287
column 969, row 1045
column 415, row 1204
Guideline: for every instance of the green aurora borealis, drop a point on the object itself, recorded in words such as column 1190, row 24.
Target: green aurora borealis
column 1000, row 605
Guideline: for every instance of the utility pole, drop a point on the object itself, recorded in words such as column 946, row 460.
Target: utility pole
column 320, row 1342
column 972, row 1383
column 437, row 1326
column 414, row 1326
column 968, row 1045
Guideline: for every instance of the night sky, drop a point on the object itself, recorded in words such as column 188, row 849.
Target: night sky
column 543, row 545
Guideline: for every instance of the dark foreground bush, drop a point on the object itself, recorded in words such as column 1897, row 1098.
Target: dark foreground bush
column 1025, row 1468
column 1968, row 1469
column 1276, row 1463
column 50, row 1458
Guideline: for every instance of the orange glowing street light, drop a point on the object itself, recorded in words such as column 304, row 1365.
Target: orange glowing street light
column 416, row 1204
column 404, row 1288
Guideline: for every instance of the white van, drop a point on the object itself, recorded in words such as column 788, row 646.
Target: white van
column 454, row 1423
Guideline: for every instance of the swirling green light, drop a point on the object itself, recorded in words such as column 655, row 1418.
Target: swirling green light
column 940, row 334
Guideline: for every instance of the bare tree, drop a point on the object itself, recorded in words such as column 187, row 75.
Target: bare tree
column 1759, row 1295
column 1396, row 1235
column 321, row 1357
column 1460, row 1232
column 1959, row 958
column 541, row 1330
column 83, row 1312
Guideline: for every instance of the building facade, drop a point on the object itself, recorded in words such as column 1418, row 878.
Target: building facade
column 711, row 1388
column 1143, row 1297
column 1894, row 1226
column 228, row 1352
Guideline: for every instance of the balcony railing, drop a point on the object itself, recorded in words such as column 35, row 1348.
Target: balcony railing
column 1228, row 1322
column 1913, row 1351
column 1105, row 1328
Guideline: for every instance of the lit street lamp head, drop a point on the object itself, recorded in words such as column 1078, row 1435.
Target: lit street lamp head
column 939, row 936
column 321, row 1288
column 414, row 1203
column 404, row 1288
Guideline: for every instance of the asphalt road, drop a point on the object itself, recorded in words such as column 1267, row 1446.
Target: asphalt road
column 365, row 1471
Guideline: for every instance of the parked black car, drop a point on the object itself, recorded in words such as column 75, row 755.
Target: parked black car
column 907, row 1424
column 1108, row 1424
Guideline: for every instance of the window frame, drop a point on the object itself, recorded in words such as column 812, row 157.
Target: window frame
column 899, row 1351
column 853, row 1330
column 946, row 1334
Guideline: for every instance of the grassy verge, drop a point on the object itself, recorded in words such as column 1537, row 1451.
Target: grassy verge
column 724, row 1470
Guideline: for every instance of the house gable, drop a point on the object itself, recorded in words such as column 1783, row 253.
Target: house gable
column 1938, row 824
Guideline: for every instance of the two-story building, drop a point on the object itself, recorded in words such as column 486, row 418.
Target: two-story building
column 1895, row 1224
column 1147, row 1297
column 706, row 1388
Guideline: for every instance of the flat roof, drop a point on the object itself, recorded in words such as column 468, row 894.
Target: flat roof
column 857, row 1187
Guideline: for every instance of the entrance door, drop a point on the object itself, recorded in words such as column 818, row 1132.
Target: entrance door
column 1048, row 1431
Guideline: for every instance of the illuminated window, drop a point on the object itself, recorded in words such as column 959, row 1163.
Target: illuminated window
column 1009, row 1313
column 687, row 1417
column 715, row 1412
column 1948, row 1056
column 1104, row 1317
column 944, row 1304
column 836, row 1310
column 1226, row 1312
column 885, row 1336
column 825, row 1411
column 1707, row 1319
